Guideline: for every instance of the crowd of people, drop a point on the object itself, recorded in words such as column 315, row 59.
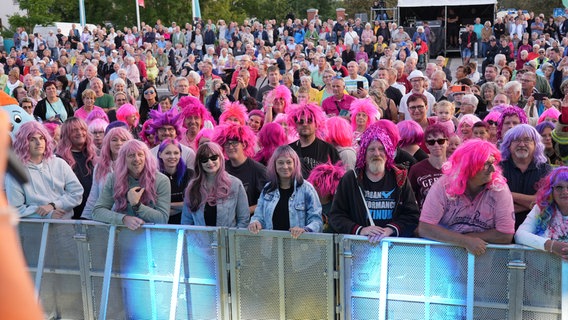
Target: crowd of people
column 306, row 126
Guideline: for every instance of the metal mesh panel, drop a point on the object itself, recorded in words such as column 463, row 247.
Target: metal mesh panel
column 542, row 281
column 200, row 304
column 60, row 296
column 529, row 315
column 365, row 308
column 406, row 269
column 97, row 237
column 480, row 313
column 448, row 272
column 365, row 267
column 491, row 277
column 446, row 312
column 305, row 278
column 115, row 307
column 30, row 238
column 401, row 310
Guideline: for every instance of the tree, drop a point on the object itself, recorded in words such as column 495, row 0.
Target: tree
column 38, row 12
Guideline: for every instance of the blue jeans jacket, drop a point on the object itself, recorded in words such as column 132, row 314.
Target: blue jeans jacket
column 304, row 207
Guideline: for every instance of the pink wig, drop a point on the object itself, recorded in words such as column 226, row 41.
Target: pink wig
column 169, row 118
column 367, row 107
column 97, row 125
column 97, row 114
column 147, row 178
column 375, row 133
column 493, row 116
column 51, row 127
column 270, row 137
column 468, row 160
column 241, row 133
column 290, row 132
column 257, row 113
column 309, row 111
column 410, row 133
column 469, row 119
column 549, row 113
column 22, row 145
column 280, row 92
column 339, row 132
column 271, row 174
column 64, row 147
column 234, row 109
column 147, row 130
column 105, row 163
column 391, row 129
column 325, row 178
column 125, row 111
column 203, row 133
column 191, row 106
column 197, row 193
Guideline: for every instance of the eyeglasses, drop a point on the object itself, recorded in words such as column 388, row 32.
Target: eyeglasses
column 149, row 92
column 414, row 108
column 166, row 129
column 302, row 121
column 438, row 141
column 206, row 159
column 560, row 189
column 525, row 140
column 492, row 122
column 232, row 143
column 98, row 132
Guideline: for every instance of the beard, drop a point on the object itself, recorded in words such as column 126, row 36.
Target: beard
column 376, row 166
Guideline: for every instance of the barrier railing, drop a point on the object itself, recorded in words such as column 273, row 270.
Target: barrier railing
column 88, row 270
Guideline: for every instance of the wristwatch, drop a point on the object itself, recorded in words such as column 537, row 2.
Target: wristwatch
column 52, row 205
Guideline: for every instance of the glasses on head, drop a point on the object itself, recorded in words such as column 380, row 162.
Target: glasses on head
column 149, row 92
column 525, row 140
column 492, row 122
column 304, row 121
column 206, row 159
column 414, row 108
column 438, row 141
column 232, row 143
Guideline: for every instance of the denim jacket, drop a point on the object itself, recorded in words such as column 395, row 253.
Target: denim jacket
column 231, row 212
column 304, row 207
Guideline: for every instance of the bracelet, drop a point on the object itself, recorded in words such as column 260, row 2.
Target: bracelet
column 136, row 206
column 551, row 245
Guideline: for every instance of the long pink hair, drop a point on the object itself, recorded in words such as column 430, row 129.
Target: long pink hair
column 22, row 145
column 64, row 147
column 367, row 107
column 197, row 193
column 468, row 160
column 270, row 137
column 105, row 163
column 147, row 178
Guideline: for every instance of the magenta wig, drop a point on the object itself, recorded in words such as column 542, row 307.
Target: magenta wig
column 391, row 129
column 339, row 132
column 436, row 129
column 508, row 112
column 125, row 111
column 147, row 130
column 197, row 192
column 105, row 164
column 169, row 118
column 22, row 144
column 468, row 160
column 492, row 116
column 545, row 199
column 280, row 92
column 64, row 147
column 549, row 113
column 410, row 133
column 147, row 179
column 51, row 127
column 236, row 110
column 272, row 175
column 97, row 114
column 367, row 107
column 203, row 133
column 270, row 137
column 191, row 106
column 241, row 133
column 290, row 132
column 309, row 111
column 375, row 133
column 257, row 113
column 325, row 178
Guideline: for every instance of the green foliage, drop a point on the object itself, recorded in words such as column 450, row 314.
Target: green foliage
column 38, row 12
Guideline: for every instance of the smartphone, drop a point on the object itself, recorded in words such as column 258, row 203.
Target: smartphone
column 344, row 113
column 359, row 85
column 458, row 88
column 539, row 96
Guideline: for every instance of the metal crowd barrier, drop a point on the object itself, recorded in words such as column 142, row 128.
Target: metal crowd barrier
column 89, row 270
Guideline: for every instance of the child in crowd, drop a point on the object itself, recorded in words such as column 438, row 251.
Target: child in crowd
column 481, row 130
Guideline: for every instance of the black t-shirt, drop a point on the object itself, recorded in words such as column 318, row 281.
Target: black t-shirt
column 381, row 197
column 210, row 215
column 316, row 153
column 85, row 175
column 404, row 159
column 281, row 215
column 253, row 176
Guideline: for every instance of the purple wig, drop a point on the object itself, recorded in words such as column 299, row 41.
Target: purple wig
column 191, row 106
column 22, row 144
column 309, row 111
column 521, row 131
column 234, row 110
column 147, row 178
column 169, row 118
column 339, row 132
column 468, row 160
column 241, row 133
column 257, row 113
column 367, row 107
column 147, row 130
column 545, row 199
column 508, row 112
column 544, row 125
column 549, row 113
column 410, row 133
column 375, row 133
column 97, row 114
column 125, row 111
column 270, row 137
column 325, row 178
column 106, row 159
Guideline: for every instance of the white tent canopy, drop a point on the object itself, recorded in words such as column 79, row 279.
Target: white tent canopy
column 442, row 3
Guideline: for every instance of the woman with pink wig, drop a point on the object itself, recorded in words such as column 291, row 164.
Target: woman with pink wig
column 53, row 189
column 112, row 143
column 255, row 120
column 234, row 112
column 465, row 126
column 270, row 137
column 54, row 129
column 128, row 114
column 340, row 136
column 204, row 135
column 471, row 204
column 492, row 118
column 147, row 134
column 136, row 192
column 411, row 139
column 550, row 114
column 277, row 101
column 363, row 114
column 195, row 117
column 290, row 132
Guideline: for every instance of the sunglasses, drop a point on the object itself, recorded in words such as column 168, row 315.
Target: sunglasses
column 439, row 141
column 149, row 92
column 206, row 159
column 492, row 122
